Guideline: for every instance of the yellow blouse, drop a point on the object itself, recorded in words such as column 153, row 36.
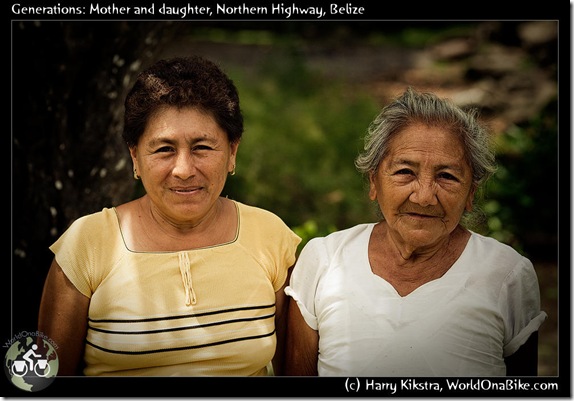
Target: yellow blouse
column 202, row 312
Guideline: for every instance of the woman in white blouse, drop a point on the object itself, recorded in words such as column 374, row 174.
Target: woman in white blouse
column 416, row 293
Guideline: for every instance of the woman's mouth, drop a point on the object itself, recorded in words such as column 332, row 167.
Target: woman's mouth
column 185, row 190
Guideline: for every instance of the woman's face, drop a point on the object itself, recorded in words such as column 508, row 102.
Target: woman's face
column 183, row 158
column 423, row 185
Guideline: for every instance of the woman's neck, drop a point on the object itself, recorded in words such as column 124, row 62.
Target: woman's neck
column 408, row 268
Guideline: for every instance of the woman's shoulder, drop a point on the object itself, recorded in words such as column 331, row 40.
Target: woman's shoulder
column 350, row 232
column 344, row 237
column 492, row 247
column 95, row 220
column 89, row 233
column 348, row 238
column 256, row 215
column 495, row 256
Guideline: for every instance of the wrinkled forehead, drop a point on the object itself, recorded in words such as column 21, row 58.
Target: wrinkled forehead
column 421, row 144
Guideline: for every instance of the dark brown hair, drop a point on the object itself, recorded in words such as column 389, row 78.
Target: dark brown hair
column 182, row 82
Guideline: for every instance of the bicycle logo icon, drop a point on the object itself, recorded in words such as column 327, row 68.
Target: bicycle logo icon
column 31, row 362
column 40, row 367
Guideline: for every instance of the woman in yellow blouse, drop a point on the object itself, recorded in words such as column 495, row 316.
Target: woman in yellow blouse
column 182, row 281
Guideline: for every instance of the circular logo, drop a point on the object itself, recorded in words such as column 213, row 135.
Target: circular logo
column 31, row 362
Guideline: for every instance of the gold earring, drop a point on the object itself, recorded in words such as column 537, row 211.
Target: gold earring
column 232, row 171
column 136, row 176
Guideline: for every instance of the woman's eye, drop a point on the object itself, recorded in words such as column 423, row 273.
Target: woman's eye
column 447, row 176
column 164, row 149
column 404, row 171
column 201, row 147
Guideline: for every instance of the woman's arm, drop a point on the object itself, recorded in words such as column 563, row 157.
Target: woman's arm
column 281, row 303
column 302, row 344
column 63, row 318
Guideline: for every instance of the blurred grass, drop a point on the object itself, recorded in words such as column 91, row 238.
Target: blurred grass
column 302, row 134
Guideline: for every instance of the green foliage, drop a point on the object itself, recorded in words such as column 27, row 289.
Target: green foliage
column 302, row 134
column 309, row 230
column 421, row 36
column 521, row 199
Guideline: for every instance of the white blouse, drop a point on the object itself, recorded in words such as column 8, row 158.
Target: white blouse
column 462, row 324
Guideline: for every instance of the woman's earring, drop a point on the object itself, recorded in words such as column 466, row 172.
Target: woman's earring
column 232, row 172
column 136, row 176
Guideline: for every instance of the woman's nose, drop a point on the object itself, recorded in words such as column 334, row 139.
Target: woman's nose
column 184, row 166
column 424, row 193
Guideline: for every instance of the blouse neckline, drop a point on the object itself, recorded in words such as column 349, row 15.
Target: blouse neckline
column 223, row 244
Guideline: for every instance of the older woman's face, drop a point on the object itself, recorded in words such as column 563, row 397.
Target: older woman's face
column 183, row 158
column 423, row 185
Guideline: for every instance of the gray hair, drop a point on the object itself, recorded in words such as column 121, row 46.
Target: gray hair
column 417, row 107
